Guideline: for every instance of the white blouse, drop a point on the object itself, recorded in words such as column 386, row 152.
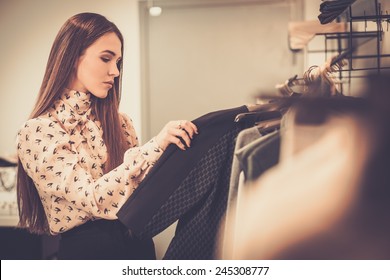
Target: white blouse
column 64, row 154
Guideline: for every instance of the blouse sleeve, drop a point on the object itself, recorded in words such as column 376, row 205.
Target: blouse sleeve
column 52, row 162
column 129, row 131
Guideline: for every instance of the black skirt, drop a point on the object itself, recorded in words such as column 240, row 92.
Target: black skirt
column 104, row 240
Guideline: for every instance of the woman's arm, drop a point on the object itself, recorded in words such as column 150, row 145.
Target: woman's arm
column 51, row 160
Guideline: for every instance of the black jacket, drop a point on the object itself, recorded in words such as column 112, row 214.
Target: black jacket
column 191, row 186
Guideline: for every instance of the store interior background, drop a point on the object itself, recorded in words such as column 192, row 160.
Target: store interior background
column 196, row 57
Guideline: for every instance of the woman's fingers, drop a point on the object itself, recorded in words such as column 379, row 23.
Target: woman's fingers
column 189, row 127
column 183, row 130
column 180, row 144
column 179, row 133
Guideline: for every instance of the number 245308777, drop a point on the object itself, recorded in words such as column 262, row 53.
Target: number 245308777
column 241, row 270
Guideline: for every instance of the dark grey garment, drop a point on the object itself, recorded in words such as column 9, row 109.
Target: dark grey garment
column 244, row 138
column 262, row 157
column 248, row 141
column 245, row 155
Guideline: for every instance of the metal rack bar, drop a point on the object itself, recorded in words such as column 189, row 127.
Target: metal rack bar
column 350, row 37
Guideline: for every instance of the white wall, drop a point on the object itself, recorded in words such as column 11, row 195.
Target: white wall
column 311, row 13
column 27, row 31
column 202, row 56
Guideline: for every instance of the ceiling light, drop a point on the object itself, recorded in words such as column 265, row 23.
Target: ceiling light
column 155, row 11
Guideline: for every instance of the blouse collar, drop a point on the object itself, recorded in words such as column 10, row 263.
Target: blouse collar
column 79, row 102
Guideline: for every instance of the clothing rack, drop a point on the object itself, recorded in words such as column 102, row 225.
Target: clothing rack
column 379, row 18
column 365, row 55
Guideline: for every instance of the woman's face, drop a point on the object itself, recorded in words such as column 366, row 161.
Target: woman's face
column 98, row 66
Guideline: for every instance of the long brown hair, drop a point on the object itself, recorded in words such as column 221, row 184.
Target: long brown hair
column 74, row 37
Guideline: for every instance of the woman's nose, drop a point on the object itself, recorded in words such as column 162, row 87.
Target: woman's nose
column 114, row 71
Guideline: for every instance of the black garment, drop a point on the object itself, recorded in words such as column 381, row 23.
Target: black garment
column 188, row 185
column 332, row 9
column 104, row 240
column 200, row 202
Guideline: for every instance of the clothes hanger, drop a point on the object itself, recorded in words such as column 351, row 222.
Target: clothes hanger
column 276, row 107
column 268, row 126
column 257, row 116
column 261, row 112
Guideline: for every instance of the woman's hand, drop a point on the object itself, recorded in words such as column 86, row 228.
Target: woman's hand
column 174, row 131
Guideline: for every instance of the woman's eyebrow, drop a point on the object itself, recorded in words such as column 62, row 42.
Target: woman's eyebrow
column 110, row 52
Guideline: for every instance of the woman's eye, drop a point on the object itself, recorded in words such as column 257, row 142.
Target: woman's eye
column 105, row 59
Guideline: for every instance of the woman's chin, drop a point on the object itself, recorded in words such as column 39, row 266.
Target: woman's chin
column 100, row 94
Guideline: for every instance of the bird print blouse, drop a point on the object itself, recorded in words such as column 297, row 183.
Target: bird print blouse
column 64, row 154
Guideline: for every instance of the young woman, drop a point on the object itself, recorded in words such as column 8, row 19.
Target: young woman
column 79, row 158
